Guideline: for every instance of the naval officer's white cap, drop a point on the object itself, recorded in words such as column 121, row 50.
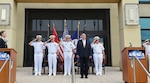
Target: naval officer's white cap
column 147, row 40
column 96, row 38
column 52, row 36
column 67, row 36
column 38, row 36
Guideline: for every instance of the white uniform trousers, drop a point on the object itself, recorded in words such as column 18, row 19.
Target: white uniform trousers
column 98, row 59
column 38, row 59
column 52, row 62
column 67, row 62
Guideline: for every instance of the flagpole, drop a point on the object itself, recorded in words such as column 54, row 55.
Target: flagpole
column 53, row 25
column 84, row 28
column 78, row 29
column 48, row 32
column 65, row 25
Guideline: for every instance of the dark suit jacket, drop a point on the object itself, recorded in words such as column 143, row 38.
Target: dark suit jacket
column 2, row 43
column 84, row 51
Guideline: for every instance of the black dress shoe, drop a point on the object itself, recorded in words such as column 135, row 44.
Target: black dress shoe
column 81, row 77
column 86, row 77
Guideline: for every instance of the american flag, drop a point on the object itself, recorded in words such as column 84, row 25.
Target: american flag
column 66, row 32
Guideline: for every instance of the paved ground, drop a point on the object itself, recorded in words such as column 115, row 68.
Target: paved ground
column 112, row 75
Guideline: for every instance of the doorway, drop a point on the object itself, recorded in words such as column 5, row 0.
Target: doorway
column 92, row 21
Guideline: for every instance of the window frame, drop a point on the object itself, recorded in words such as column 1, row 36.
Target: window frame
column 142, row 29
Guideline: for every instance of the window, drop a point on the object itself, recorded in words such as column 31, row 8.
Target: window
column 85, row 25
column 145, row 23
column 75, row 24
column 144, row 1
column 145, row 28
column 58, row 23
column 145, row 34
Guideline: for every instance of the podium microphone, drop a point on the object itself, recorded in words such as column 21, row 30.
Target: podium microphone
column 130, row 44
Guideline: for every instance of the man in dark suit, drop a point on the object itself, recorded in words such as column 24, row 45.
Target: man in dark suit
column 84, row 53
column 3, row 42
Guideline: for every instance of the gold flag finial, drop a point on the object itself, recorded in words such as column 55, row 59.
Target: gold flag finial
column 65, row 23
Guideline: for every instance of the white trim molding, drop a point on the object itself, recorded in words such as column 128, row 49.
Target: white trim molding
column 132, row 14
column 5, row 14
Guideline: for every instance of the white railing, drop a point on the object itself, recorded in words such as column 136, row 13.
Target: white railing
column 133, row 59
column 10, row 67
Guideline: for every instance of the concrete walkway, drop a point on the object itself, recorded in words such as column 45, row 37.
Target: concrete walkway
column 112, row 75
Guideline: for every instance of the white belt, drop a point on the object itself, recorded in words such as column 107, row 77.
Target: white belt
column 51, row 52
column 67, row 51
column 38, row 52
column 98, row 53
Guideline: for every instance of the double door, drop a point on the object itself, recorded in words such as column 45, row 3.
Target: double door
column 94, row 22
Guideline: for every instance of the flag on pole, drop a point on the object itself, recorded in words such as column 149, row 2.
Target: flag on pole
column 55, row 33
column 61, row 58
column 75, row 35
column 60, row 50
column 66, row 32
column 75, row 38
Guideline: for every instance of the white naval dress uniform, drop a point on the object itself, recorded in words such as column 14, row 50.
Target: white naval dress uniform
column 67, row 48
column 147, row 48
column 98, row 57
column 52, row 57
column 38, row 56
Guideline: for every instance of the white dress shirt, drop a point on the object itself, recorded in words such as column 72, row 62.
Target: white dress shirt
column 84, row 42
column 38, row 47
column 68, row 46
column 52, row 47
column 97, row 48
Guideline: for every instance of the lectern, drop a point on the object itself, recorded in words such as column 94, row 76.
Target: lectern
column 127, row 69
column 8, row 72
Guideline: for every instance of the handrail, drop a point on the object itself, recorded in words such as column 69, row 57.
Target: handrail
column 4, row 64
column 134, row 69
column 10, row 67
column 142, row 66
column 134, row 58
column 12, row 62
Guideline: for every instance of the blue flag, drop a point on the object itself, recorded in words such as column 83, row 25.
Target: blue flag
column 75, row 35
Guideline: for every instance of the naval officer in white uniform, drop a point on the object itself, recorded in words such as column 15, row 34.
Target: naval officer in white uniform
column 38, row 54
column 146, row 44
column 68, row 48
column 53, row 49
column 98, row 54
